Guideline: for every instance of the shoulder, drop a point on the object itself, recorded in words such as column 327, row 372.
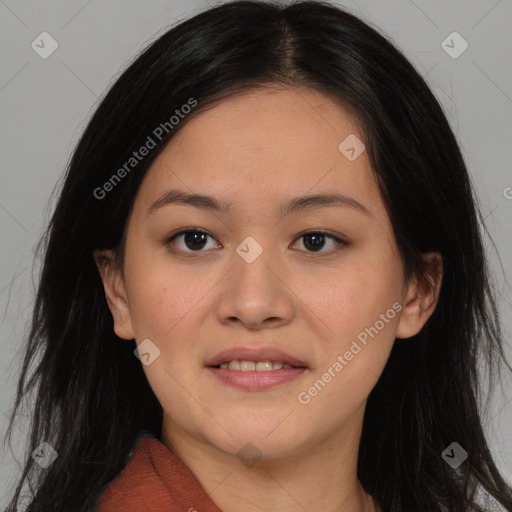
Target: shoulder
column 155, row 480
column 136, row 487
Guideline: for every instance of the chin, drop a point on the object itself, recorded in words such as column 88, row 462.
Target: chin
column 257, row 441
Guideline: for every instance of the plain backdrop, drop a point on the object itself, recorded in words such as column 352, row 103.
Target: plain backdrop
column 45, row 103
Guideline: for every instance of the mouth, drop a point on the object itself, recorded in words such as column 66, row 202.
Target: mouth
column 255, row 369
column 258, row 366
column 254, row 359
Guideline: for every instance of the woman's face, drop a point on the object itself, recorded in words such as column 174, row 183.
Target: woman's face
column 254, row 281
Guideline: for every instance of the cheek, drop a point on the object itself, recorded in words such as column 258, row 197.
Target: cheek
column 168, row 303
column 159, row 293
column 353, row 357
column 154, row 310
column 358, row 309
column 353, row 296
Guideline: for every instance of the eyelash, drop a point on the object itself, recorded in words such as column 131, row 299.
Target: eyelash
column 340, row 242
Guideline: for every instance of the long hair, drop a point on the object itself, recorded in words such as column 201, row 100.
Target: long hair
column 91, row 399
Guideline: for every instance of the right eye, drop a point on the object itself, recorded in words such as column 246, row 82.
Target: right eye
column 192, row 239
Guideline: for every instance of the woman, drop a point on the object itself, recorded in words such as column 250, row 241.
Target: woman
column 264, row 285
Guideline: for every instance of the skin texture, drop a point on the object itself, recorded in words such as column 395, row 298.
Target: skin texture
column 255, row 150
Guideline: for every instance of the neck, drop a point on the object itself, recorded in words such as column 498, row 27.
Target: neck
column 320, row 477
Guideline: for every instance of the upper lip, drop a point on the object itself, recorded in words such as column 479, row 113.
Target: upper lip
column 254, row 354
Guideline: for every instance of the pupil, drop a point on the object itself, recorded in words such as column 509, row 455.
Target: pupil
column 317, row 240
column 195, row 237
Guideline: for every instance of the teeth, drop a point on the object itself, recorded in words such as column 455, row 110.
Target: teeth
column 247, row 366
column 234, row 365
column 263, row 366
column 260, row 366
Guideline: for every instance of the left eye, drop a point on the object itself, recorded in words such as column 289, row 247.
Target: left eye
column 314, row 241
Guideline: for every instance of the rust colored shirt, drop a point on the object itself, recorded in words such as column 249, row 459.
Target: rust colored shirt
column 155, row 480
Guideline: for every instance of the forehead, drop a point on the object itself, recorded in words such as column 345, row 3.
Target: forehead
column 270, row 120
column 264, row 144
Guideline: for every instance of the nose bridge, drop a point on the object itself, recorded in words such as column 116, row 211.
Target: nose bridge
column 253, row 278
column 255, row 291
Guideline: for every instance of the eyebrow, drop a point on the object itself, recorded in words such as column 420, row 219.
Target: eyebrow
column 301, row 203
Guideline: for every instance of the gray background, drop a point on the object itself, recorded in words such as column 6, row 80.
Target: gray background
column 45, row 104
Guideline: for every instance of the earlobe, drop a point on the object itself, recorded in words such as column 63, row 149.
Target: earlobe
column 115, row 293
column 421, row 297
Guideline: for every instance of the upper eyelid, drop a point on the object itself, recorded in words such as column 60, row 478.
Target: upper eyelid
column 201, row 230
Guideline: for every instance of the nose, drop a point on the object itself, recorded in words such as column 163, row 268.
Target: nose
column 255, row 294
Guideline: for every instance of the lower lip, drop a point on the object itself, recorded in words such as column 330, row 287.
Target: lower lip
column 254, row 380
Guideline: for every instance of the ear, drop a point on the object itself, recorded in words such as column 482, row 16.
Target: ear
column 421, row 297
column 115, row 292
